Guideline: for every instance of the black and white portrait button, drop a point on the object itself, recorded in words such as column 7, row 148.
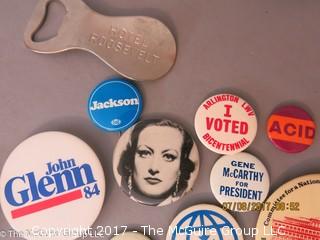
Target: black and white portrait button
column 52, row 186
column 226, row 124
column 156, row 162
column 134, row 235
column 239, row 178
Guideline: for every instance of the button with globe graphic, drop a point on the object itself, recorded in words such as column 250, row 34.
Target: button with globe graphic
column 203, row 222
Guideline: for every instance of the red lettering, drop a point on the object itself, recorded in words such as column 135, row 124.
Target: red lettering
column 248, row 109
column 218, row 125
column 227, row 125
column 275, row 127
column 310, row 132
column 292, row 131
column 226, row 121
column 206, row 136
column 207, row 105
column 209, row 122
column 244, row 128
column 228, row 107
column 300, row 131
column 235, row 126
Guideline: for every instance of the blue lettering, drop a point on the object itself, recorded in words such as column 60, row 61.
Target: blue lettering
column 33, row 190
column 9, row 194
column 43, row 184
column 87, row 172
column 226, row 172
column 58, row 178
column 33, row 186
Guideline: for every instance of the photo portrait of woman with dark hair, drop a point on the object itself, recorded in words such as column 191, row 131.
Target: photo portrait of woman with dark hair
column 156, row 162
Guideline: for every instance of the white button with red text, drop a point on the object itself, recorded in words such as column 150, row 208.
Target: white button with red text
column 226, row 124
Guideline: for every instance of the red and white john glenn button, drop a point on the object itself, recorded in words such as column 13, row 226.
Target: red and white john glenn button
column 52, row 186
column 226, row 124
column 291, row 129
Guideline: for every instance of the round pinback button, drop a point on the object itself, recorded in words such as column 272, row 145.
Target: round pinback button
column 204, row 222
column 115, row 105
column 292, row 211
column 225, row 124
column 291, row 129
column 52, row 181
column 130, row 236
column 239, row 178
column 156, row 162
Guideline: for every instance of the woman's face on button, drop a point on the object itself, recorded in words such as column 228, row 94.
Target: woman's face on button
column 157, row 159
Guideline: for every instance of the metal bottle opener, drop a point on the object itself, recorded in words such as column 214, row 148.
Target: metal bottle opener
column 139, row 48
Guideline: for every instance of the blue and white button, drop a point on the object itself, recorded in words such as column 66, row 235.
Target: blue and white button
column 52, row 186
column 115, row 105
column 204, row 222
column 240, row 182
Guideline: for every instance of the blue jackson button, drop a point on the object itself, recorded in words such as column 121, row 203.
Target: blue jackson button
column 115, row 105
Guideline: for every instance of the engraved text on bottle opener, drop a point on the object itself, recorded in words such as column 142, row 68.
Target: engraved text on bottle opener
column 139, row 48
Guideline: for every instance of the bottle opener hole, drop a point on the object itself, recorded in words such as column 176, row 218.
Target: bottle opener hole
column 54, row 17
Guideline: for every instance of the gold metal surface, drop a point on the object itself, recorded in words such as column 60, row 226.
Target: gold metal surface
column 139, row 48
